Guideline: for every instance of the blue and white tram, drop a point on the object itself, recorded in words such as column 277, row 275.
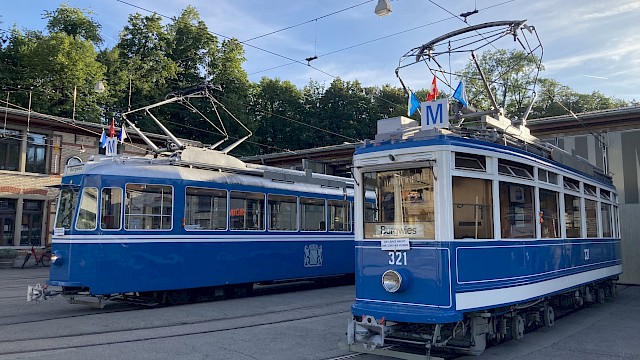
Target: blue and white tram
column 473, row 240
column 159, row 227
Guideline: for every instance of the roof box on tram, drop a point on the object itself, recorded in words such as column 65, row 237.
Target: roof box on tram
column 396, row 125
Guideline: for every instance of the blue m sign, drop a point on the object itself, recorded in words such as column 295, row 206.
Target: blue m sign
column 435, row 114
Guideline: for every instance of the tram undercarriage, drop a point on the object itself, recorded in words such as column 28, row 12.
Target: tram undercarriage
column 471, row 336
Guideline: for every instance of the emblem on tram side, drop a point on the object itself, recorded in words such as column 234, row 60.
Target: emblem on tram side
column 312, row 255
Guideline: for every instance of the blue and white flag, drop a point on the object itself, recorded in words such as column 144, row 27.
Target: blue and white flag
column 122, row 135
column 461, row 95
column 414, row 103
column 103, row 139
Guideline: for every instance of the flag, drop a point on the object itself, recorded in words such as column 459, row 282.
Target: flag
column 122, row 135
column 112, row 129
column 414, row 103
column 103, row 139
column 461, row 95
column 433, row 92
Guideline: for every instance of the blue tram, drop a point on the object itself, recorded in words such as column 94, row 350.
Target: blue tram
column 475, row 237
column 150, row 226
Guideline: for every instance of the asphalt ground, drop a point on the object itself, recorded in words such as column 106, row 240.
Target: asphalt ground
column 294, row 321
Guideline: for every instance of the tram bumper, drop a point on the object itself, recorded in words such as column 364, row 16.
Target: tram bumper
column 367, row 332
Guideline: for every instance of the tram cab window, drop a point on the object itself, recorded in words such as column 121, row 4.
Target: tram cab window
column 246, row 210
column 472, row 208
column 605, row 194
column 148, row 207
column 66, row 207
column 516, row 211
column 592, row 218
column 571, row 184
column 464, row 161
column 549, row 214
column 547, row 176
column 370, row 212
column 339, row 215
column 88, row 212
column 572, row 216
column 405, row 204
column 205, row 209
column 283, row 212
column 515, row 169
column 312, row 215
column 605, row 215
column 590, row 190
column 111, row 208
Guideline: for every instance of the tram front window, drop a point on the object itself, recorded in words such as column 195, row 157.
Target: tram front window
column 66, row 208
column 405, row 204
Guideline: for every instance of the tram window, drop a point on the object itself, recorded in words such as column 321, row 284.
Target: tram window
column 590, row 190
column 148, row 207
column 466, row 161
column 405, row 204
column 592, row 218
column 66, row 208
column 88, row 212
column 571, row 184
column 111, row 208
column 283, row 212
column 370, row 212
column 205, row 209
column 572, row 216
column 516, row 211
column 605, row 215
column 547, row 176
column 246, row 211
column 511, row 168
column 472, row 208
column 549, row 214
column 605, row 194
column 312, row 215
column 339, row 219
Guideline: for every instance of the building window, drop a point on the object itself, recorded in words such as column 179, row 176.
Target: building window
column 549, row 214
column 36, row 153
column 31, row 232
column 283, row 212
column 472, row 208
column 312, row 215
column 592, row 218
column 572, row 215
column 148, row 207
column 10, row 150
column 246, row 210
column 7, row 221
column 205, row 209
column 339, row 219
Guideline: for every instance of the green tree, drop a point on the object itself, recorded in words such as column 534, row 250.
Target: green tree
column 74, row 22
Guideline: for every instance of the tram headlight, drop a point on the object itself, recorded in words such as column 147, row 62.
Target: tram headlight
column 391, row 281
column 56, row 258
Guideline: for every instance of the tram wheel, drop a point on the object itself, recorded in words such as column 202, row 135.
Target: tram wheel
column 517, row 327
column 549, row 316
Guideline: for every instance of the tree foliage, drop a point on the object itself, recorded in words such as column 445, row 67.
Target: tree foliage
column 154, row 58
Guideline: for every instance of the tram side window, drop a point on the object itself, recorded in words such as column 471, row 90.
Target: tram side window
column 246, row 210
column 572, row 216
column 605, row 214
column 549, row 214
column 111, row 208
column 66, row 208
column 148, row 207
column 88, row 212
column 472, row 208
column 339, row 219
column 283, row 212
column 592, row 218
column 205, row 209
column 473, row 162
column 312, row 215
column 516, row 211
column 405, row 204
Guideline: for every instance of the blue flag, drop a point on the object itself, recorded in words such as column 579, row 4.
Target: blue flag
column 103, row 139
column 414, row 103
column 461, row 95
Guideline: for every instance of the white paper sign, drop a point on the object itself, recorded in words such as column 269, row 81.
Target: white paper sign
column 58, row 231
column 395, row 244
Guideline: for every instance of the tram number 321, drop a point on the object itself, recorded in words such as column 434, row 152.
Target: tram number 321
column 397, row 258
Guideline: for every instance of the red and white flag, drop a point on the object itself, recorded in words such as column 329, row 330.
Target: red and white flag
column 433, row 92
column 112, row 129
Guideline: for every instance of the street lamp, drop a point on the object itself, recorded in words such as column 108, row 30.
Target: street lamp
column 383, row 8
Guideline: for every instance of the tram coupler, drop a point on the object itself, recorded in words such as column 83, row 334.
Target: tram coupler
column 367, row 332
column 40, row 292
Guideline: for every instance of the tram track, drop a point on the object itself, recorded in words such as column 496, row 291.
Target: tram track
column 191, row 328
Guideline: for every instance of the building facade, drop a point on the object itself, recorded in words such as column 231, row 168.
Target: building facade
column 34, row 148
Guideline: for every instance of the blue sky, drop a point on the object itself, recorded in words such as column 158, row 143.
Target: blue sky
column 588, row 45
